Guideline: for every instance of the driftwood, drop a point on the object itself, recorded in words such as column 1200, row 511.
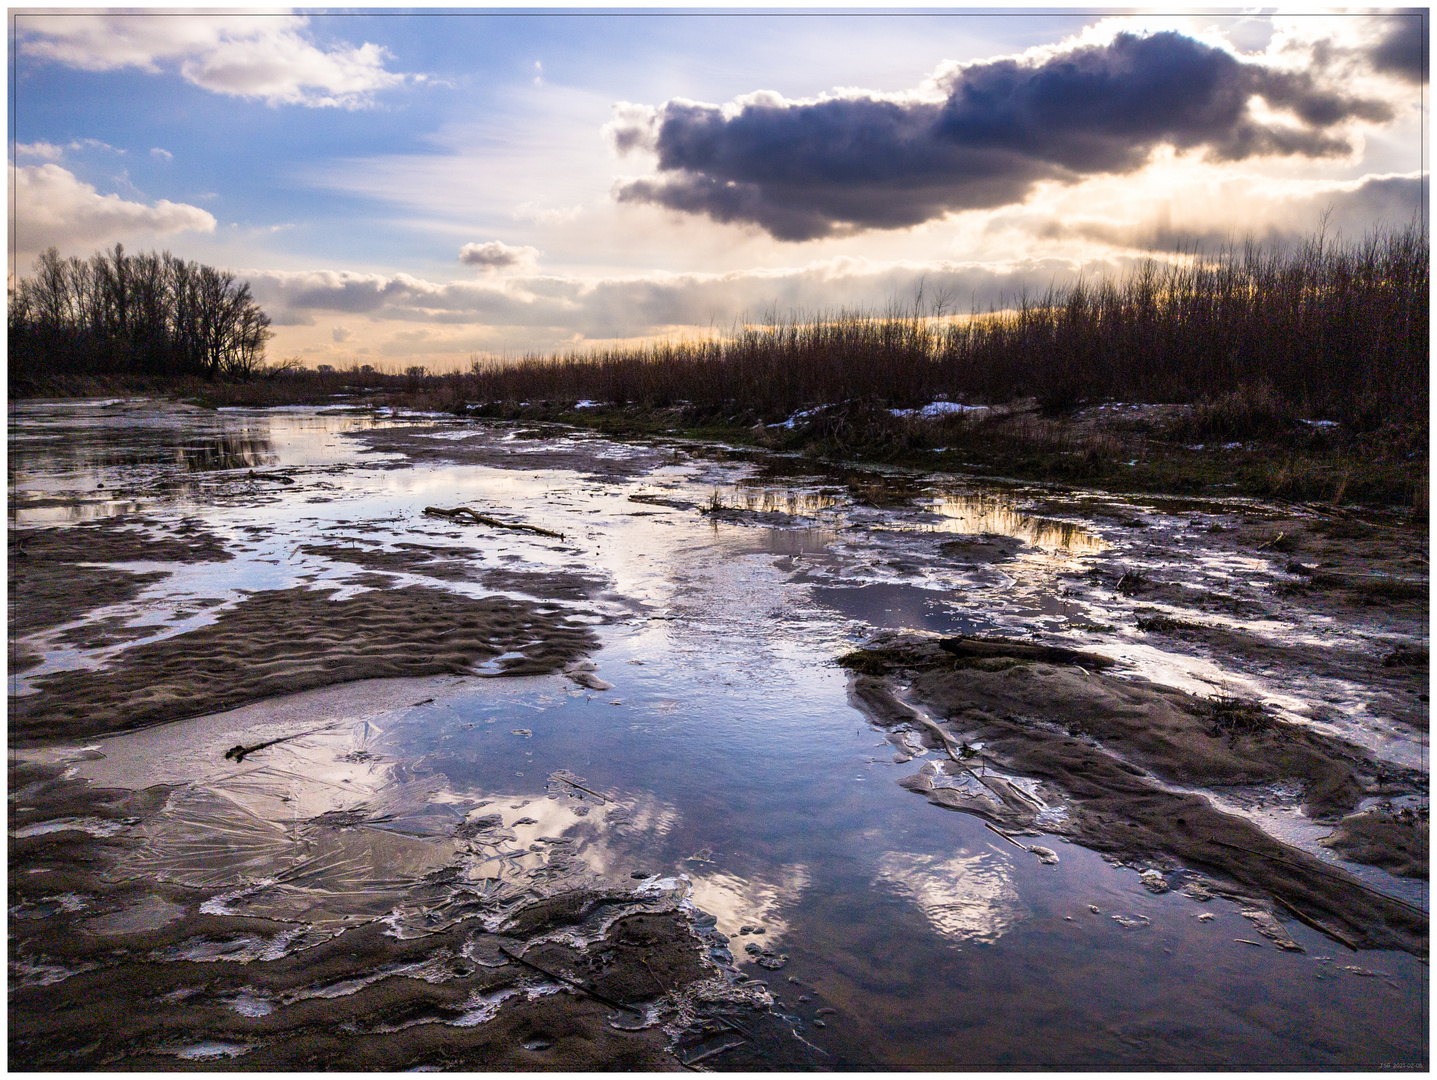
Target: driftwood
column 463, row 513
column 278, row 478
column 1006, row 836
column 1320, row 927
column 570, row 982
column 238, row 753
column 1346, row 879
column 581, row 787
column 977, row 647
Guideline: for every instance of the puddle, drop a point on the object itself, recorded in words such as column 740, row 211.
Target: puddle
column 709, row 752
column 988, row 516
column 906, row 607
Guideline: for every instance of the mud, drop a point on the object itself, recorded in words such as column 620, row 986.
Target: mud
column 1114, row 756
column 1224, row 643
column 50, row 587
column 1397, row 842
column 453, row 564
column 99, row 977
column 339, row 898
column 1333, row 561
column 282, row 641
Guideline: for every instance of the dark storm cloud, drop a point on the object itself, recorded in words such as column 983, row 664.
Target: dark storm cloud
column 803, row 171
column 1403, row 49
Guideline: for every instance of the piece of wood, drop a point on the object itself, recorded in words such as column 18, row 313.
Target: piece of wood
column 1346, row 879
column 581, row 787
column 571, row 982
column 464, row 513
column 709, row 1053
column 238, row 753
column 1005, row 836
column 1320, row 927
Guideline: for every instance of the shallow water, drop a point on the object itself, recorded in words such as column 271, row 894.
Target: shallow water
column 725, row 748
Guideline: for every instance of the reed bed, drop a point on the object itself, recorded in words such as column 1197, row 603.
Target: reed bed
column 1336, row 329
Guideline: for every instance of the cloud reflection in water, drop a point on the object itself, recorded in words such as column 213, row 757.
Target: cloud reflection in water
column 965, row 898
column 737, row 902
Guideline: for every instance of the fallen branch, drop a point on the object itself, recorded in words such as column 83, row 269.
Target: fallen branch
column 691, row 1062
column 1005, row 836
column 278, row 478
column 1345, row 879
column 1320, row 927
column 239, row 753
column 954, row 755
column 644, row 960
column 581, row 787
column 726, row 1022
column 571, row 982
column 463, row 513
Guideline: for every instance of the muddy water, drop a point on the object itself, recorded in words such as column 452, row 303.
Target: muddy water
column 712, row 737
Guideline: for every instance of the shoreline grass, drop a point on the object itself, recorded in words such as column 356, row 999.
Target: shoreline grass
column 1298, row 374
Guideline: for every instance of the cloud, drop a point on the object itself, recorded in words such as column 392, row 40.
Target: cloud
column 533, row 212
column 341, row 334
column 92, row 144
column 495, row 256
column 1402, row 50
column 52, row 207
column 1352, row 210
column 266, row 57
column 160, row 152
column 43, row 150
column 544, row 311
column 54, row 152
column 989, row 132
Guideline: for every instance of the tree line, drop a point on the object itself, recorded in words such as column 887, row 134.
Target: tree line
column 148, row 314
column 1330, row 328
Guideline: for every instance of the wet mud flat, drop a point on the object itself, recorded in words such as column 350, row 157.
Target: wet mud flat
column 292, row 759
column 1112, row 759
column 121, row 971
column 292, row 899
column 287, row 896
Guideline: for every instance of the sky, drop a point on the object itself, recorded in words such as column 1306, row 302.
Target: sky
column 431, row 188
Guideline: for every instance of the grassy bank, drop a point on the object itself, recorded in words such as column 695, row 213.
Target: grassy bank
column 1120, row 448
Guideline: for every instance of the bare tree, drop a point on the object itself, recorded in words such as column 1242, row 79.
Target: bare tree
column 147, row 313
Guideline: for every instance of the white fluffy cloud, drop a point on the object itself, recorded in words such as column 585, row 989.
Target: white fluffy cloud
column 43, row 150
column 53, row 207
column 268, row 57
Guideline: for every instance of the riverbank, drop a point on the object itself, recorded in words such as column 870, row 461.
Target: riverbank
column 1233, row 447
column 1246, row 443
